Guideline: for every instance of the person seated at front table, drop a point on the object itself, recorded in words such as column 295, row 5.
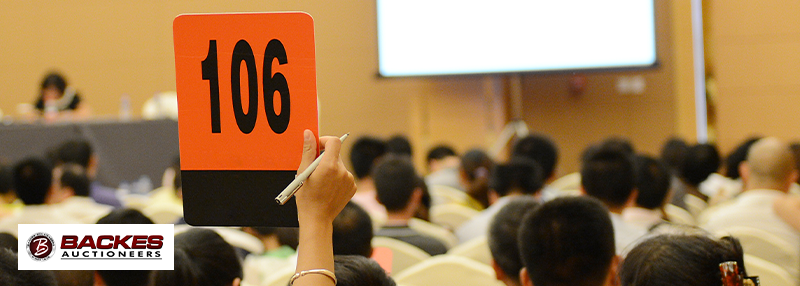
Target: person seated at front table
column 57, row 100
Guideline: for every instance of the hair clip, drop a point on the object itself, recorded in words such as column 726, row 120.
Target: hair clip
column 729, row 271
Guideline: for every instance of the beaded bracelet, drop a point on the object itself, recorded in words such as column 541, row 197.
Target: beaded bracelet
column 325, row 272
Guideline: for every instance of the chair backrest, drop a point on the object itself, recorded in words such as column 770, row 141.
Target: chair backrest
column 769, row 273
column 280, row 277
column 444, row 270
column 676, row 214
column 451, row 216
column 163, row 213
column 442, row 234
column 404, row 254
column 767, row 246
column 476, row 249
column 569, row 182
column 694, row 205
column 441, row 195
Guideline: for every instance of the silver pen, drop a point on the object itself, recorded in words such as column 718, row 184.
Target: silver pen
column 295, row 185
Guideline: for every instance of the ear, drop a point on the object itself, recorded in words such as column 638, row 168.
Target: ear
column 498, row 272
column 98, row 280
column 632, row 198
column 744, row 172
column 416, row 196
column 583, row 191
column 91, row 168
column 613, row 278
column 492, row 196
column 524, row 278
column 236, row 282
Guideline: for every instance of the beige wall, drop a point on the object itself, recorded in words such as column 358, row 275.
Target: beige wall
column 110, row 48
column 755, row 59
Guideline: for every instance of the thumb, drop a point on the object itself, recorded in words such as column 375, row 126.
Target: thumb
column 309, row 150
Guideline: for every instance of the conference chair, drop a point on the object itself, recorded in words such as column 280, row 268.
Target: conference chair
column 676, row 214
column 444, row 270
column 451, row 216
column 769, row 273
column 435, row 231
column 767, row 246
column 404, row 255
column 476, row 249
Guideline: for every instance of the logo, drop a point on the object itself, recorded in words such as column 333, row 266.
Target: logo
column 40, row 246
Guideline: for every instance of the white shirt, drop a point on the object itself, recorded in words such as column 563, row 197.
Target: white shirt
column 625, row 235
column 34, row 214
column 753, row 208
column 479, row 225
column 83, row 209
column 642, row 217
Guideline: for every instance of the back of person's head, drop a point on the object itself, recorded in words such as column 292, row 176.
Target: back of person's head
column 567, row 241
column 6, row 180
column 364, row 153
column 503, row 235
column 125, row 216
column 618, row 143
column 9, row 275
column 202, row 258
column 795, row 147
column 540, row 149
column 608, row 175
column 690, row 260
column 125, row 277
column 399, row 145
column 54, row 79
column 673, row 153
column 352, row 232
column 394, row 182
column 423, row 212
column 32, row 180
column 439, row 152
column 520, row 174
column 8, row 241
column 701, row 161
column 652, row 182
column 74, row 176
column 356, row 270
column 476, row 167
column 737, row 156
column 771, row 164
column 74, row 151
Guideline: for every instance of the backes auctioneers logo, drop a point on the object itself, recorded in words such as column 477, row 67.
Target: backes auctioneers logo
column 40, row 246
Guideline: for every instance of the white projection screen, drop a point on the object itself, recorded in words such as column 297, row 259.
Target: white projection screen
column 452, row 37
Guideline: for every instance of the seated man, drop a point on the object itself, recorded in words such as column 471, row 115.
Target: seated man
column 70, row 194
column 364, row 154
column 520, row 176
column 608, row 175
column 80, row 152
column 443, row 163
column 568, row 241
column 767, row 175
column 544, row 151
column 33, row 178
column 653, row 184
column 397, row 191
column 503, row 239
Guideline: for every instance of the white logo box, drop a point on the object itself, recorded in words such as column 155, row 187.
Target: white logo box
column 96, row 247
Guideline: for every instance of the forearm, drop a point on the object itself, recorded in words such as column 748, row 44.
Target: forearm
column 315, row 251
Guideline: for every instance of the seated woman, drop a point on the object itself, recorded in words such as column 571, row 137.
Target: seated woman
column 681, row 260
column 59, row 101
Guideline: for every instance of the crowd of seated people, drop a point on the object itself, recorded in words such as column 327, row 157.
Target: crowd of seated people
column 619, row 228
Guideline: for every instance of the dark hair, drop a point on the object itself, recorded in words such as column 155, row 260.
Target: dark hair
column 9, row 275
column 352, row 232
column 439, row 152
column 617, row 143
column 74, row 176
column 737, row 156
column 364, row 153
column 476, row 166
column 125, row 216
column 75, row 277
column 125, row 277
column 32, row 179
column 6, row 180
column 609, row 176
column 356, row 270
column 74, row 151
column 795, row 147
column 673, row 153
column 8, row 241
column 202, row 258
column 54, row 79
column 423, row 212
column 394, row 182
column 701, row 161
column 691, row 260
column 652, row 181
column 519, row 174
column 540, row 149
column 503, row 234
column 567, row 241
column 399, row 145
